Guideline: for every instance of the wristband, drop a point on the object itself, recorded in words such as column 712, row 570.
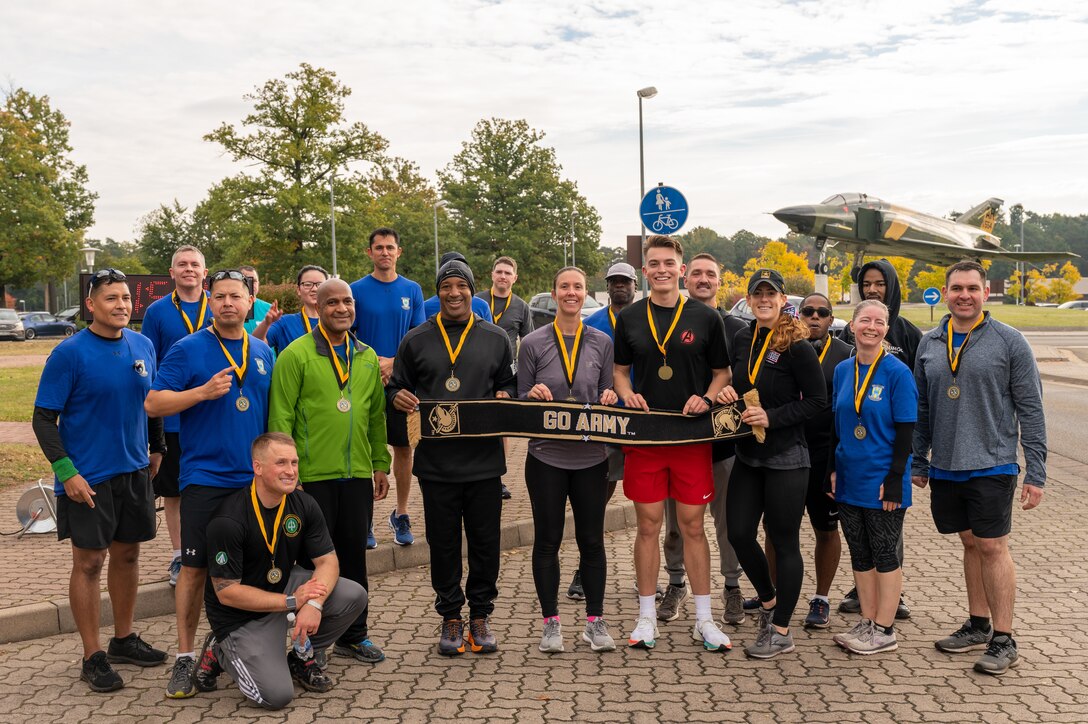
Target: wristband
column 64, row 469
column 707, row 401
column 315, row 604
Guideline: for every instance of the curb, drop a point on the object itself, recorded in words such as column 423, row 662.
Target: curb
column 1050, row 377
column 52, row 617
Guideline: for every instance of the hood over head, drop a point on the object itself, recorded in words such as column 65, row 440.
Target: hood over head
column 892, row 294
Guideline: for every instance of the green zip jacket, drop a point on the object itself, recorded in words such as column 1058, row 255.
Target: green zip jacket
column 303, row 403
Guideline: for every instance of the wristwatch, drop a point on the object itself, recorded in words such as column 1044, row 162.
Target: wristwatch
column 291, row 604
column 708, row 402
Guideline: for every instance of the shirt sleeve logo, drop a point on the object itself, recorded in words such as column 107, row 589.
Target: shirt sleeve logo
column 292, row 525
column 221, row 558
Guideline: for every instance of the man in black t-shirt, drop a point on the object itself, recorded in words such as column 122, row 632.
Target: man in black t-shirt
column 254, row 542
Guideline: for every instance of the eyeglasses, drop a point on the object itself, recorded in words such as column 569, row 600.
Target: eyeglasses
column 307, row 286
column 102, row 275
column 822, row 312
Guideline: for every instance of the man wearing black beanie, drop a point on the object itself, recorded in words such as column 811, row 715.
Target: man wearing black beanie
column 455, row 355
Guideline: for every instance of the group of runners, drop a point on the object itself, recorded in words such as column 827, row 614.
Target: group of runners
column 271, row 436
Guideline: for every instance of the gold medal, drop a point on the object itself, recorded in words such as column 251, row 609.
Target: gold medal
column 664, row 372
column 274, row 575
column 344, row 404
column 242, row 403
column 343, row 374
column 453, row 384
column 954, row 356
column 954, row 392
column 859, row 432
column 860, row 389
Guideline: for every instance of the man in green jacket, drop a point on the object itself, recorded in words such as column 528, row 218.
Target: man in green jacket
column 327, row 394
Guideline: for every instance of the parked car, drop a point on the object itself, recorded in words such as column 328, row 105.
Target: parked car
column 71, row 314
column 11, row 327
column 1075, row 304
column 44, row 324
column 742, row 311
column 542, row 307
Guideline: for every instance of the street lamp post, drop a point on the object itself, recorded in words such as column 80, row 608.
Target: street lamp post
column 332, row 220
column 1023, row 265
column 88, row 257
column 648, row 92
column 573, row 258
column 441, row 203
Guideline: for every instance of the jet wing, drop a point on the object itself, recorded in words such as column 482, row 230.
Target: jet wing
column 945, row 253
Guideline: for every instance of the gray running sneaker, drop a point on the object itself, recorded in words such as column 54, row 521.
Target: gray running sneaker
column 965, row 638
column 763, row 618
column 669, row 608
column 872, row 641
column 734, row 607
column 597, row 636
column 181, row 684
column 552, row 640
column 860, row 629
column 1001, row 655
column 659, row 593
column 769, row 644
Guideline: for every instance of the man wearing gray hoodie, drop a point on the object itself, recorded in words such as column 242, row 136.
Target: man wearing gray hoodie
column 978, row 393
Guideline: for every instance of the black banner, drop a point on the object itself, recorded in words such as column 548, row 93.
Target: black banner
column 436, row 420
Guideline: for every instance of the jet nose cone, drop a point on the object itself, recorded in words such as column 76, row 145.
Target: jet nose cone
column 799, row 218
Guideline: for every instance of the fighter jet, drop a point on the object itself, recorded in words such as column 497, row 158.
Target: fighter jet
column 867, row 225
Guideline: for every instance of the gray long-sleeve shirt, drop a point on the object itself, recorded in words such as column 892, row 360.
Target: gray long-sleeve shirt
column 1000, row 400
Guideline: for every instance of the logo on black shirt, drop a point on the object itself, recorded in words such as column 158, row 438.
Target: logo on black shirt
column 687, row 336
column 292, row 525
column 221, row 558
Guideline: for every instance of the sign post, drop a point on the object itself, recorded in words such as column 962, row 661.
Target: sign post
column 932, row 297
column 663, row 210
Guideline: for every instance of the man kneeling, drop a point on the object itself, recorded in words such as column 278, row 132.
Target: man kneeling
column 255, row 540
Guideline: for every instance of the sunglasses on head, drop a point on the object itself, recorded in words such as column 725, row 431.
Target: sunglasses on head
column 230, row 274
column 103, row 275
column 822, row 312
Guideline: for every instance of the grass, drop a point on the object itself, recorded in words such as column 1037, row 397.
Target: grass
column 22, row 465
column 1022, row 318
column 18, row 387
column 34, row 346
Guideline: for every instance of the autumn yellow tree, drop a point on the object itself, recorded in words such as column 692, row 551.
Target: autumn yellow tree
column 931, row 276
column 793, row 267
column 733, row 288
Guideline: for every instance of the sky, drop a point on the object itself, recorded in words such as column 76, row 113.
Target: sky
column 762, row 104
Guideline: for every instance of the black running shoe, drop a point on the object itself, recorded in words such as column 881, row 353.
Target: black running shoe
column 134, row 650
column 208, row 669
column 308, row 674
column 99, row 675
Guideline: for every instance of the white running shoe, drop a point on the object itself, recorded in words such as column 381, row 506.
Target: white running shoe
column 644, row 635
column 712, row 637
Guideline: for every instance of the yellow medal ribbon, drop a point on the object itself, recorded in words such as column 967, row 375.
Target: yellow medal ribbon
column 239, row 371
column 653, row 328
column 260, row 521
column 570, row 360
column 341, row 374
column 446, row 338
column 612, row 318
column 954, row 359
column 753, row 372
column 306, row 321
column 200, row 315
column 827, row 346
column 859, row 393
column 496, row 317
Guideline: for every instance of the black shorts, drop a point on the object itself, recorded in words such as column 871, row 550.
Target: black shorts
column 124, row 511
column 165, row 484
column 198, row 505
column 982, row 505
column 823, row 512
column 396, row 427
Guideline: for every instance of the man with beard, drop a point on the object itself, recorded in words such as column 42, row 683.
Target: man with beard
column 327, row 393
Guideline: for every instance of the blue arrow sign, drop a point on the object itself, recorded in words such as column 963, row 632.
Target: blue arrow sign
column 931, row 296
column 663, row 210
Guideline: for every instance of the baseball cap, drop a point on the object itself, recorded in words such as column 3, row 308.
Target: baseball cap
column 767, row 276
column 621, row 269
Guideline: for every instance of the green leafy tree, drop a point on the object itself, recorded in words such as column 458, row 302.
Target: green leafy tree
column 123, row 255
column 508, row 198
column 160, row 232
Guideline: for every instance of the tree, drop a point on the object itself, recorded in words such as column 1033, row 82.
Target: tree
column 931, row 276
column 794, row 268
column 508, row 198
column 123, row 255
column 161, row 232
column 295, row 138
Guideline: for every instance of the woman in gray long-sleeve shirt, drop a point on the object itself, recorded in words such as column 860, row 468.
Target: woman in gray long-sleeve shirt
column 568, row 361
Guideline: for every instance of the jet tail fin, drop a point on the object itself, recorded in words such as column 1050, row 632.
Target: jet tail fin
column 983, row 216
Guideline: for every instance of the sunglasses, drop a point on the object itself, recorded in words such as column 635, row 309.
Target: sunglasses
column 103, row 275
column 822, row 312
column 233, row 274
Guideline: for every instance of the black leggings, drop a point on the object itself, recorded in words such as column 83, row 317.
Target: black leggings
column 777, row 496
column 549, row 487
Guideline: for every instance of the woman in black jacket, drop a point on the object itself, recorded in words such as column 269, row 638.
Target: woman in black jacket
column 770, row 479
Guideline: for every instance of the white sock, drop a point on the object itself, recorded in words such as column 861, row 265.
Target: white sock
column 702, row 608
column 822, row 598
column 190, row 655
column 647, row 606
column 177, row 553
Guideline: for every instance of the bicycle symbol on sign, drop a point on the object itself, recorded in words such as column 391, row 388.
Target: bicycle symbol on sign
column 664, row 221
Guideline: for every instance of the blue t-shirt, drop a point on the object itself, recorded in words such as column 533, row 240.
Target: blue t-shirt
column 479, row 308
column 286, row 330
column 215, row 435
column 260, row 308
column 600, row 320
column 164, row 326
column 860, row 465
column 385, row 311
column 98, row 386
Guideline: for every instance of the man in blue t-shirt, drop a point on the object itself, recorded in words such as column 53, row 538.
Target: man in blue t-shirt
column 218, row 380
column 260, row 306
column 280, row 330
column 167, row 320
column 95, row 383
column 386, row 306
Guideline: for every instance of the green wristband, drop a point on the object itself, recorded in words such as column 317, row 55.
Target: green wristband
column 65, row 469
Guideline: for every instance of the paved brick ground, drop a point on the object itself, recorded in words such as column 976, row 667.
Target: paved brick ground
column 677, row 681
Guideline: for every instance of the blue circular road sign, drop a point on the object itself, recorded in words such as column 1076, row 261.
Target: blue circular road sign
column 663, row 210
column 931, row 296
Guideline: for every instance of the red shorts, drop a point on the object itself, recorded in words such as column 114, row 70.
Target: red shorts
column 684, row 473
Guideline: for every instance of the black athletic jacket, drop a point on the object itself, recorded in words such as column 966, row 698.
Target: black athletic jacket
column 903, row 337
